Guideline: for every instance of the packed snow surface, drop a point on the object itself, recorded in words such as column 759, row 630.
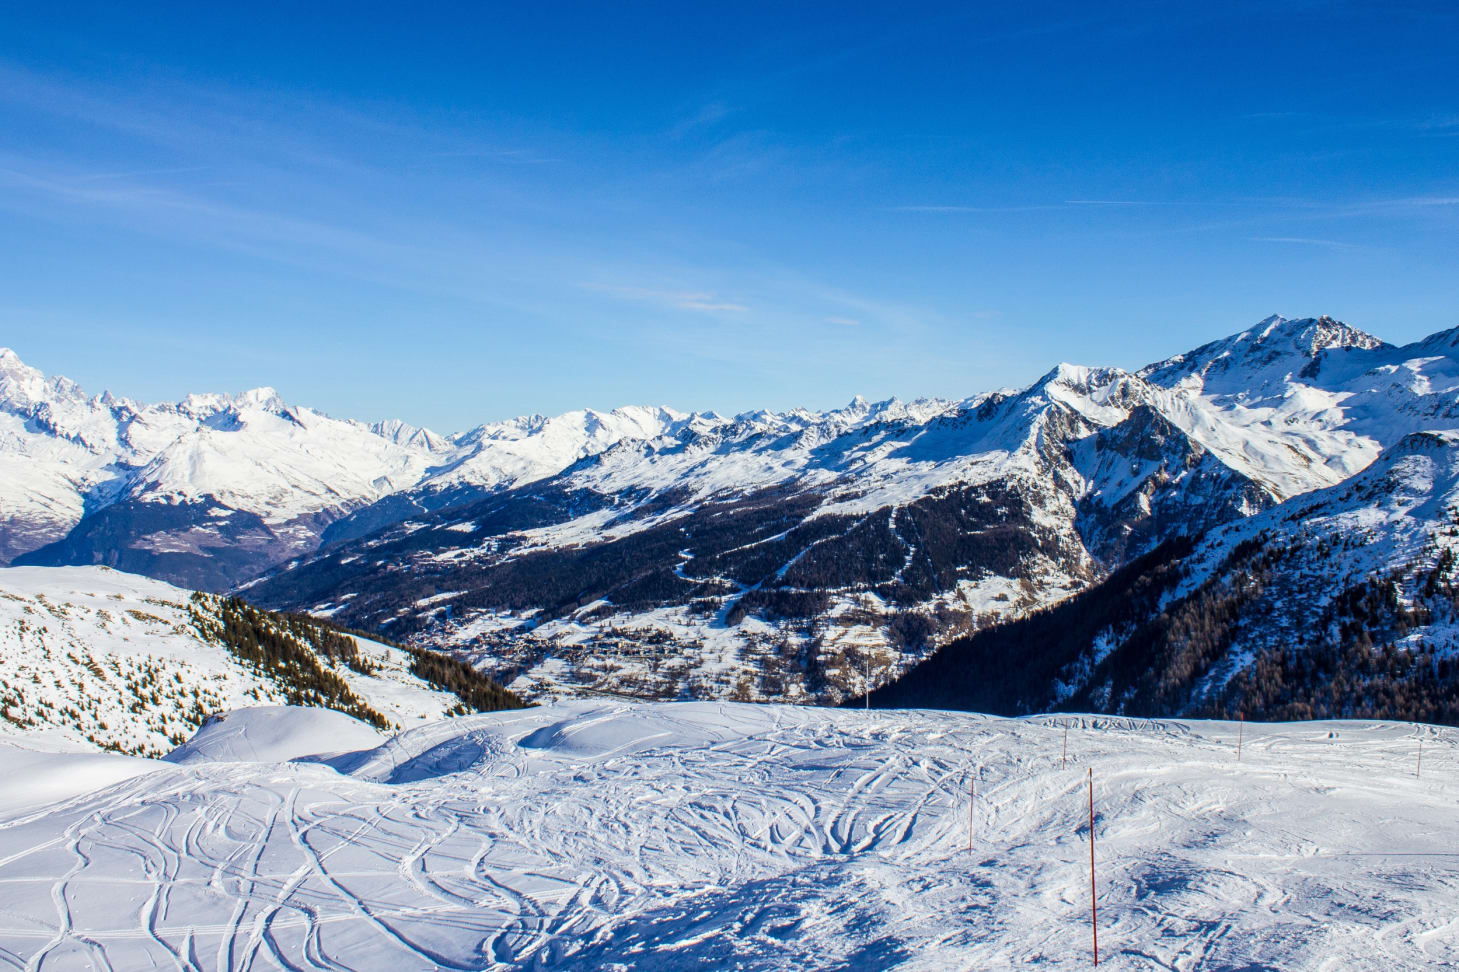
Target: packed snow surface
column 703, row 835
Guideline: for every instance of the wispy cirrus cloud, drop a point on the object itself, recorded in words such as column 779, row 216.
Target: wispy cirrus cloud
column 505, row 156
column 434, row 261
column 690, row 300
column 1438, row 125
column 972, row 210
column 1117, row 202
column 179, row 213
column 1315, row 123
column 1305, row 241
column 189, row 119
column 1422, row 201
column 707, row 116
column 1028, row 207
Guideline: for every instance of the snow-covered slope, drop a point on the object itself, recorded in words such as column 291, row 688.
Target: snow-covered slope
column 1397, row 514
column 58, row 448
column 1339, row 602
column 98, row 658
column 65, row 456
column 1307, row 403
column 693, row 836
column 500, row 455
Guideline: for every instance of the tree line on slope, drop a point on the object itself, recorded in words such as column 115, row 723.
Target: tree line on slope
column 287, row 649
column 478, row 692
column 1355, row 668
column 994, row 670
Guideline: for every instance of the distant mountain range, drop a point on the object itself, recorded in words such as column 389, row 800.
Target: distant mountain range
column 209, row 491
column 785, row 555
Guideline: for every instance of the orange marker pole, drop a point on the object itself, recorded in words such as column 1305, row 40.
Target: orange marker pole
column 868, row 682
column 1093, row 913
column 972, row 800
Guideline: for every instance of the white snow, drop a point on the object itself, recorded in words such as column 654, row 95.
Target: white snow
column 1258, row 405
column 1249, row 399
column 38, row 775
column 275, row 734
column 103, row 658
column 687, row 836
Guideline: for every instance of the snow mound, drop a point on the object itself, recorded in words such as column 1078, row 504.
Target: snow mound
column 35, row 778
column 275, row 733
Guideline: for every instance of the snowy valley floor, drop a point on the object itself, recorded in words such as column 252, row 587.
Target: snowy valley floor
column 709, row 836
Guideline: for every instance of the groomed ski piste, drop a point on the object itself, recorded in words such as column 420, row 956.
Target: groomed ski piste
column 620, row 835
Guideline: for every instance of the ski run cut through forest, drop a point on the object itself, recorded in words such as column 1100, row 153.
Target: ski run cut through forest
column 629, row 835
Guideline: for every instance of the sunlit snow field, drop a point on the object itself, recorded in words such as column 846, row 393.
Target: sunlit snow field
column 702, row 835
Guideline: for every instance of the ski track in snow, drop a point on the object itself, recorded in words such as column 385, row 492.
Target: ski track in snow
column 714, row 835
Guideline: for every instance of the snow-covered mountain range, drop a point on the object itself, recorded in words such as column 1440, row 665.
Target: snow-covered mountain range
column 782, row 555
column 769, row 555
column 211, row 490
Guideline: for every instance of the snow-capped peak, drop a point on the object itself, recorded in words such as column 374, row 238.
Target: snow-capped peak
column 263, row 397
column 20, row 384
column 1293, row 405
column 405, row 434
column 1315, row 335
column 23, row 387
column 1307, row 335
column 1272, row 351
column 10, row 361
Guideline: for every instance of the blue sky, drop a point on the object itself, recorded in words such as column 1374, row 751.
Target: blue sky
column 452, row 214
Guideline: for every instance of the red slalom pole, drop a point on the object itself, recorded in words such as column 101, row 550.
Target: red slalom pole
column 972, row 800
column 1093, row 913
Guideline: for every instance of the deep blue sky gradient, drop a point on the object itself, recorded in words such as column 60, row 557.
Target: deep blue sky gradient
column 456, row 213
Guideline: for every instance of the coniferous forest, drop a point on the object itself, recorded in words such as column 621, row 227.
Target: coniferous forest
column 299, row 654
column 1124, row 647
